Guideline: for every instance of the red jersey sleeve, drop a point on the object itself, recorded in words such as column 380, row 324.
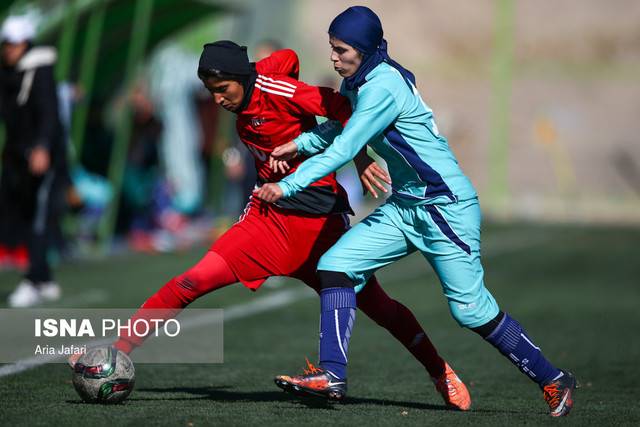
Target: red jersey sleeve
column 283, row 61
column 319, row 101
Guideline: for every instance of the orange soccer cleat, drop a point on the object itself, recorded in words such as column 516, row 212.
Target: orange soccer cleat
column 452, row 390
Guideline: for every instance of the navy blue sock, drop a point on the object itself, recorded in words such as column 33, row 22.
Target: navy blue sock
column 511, row 339
column 337, row 315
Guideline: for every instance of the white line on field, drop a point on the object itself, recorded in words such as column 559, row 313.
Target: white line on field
column 90, row 296
column 274, row 301
column 259, row 305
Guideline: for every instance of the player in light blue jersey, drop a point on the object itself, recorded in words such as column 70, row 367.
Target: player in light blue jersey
column 433, row 209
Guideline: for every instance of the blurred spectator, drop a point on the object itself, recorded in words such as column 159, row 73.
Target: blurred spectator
column 266, row 47
column 33, row 159
column 141, row 176
column 153, row 212
column 173, row 85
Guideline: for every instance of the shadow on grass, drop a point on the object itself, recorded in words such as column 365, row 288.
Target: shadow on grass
column 225, row 393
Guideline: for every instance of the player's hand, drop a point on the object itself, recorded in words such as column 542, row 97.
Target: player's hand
column 39, row 160
column 269, row 192
column 372, row 176
column 281, row 166
column 285, row 152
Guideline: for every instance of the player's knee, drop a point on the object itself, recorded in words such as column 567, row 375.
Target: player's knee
column 184, row 287
column 334, row 279
column 487, row 328
column 191, row 280
column 469, row 316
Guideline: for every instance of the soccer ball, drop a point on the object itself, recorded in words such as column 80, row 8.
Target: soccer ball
column 104, row 375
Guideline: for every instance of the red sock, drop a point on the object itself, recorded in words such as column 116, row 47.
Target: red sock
column 210, row 273
column 401, row 323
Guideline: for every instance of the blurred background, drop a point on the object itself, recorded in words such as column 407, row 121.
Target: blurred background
column 539, row 100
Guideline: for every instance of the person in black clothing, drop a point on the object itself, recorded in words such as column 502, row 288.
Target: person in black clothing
column 33, row 157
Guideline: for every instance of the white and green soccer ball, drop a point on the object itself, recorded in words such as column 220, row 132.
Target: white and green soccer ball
column 104, row 375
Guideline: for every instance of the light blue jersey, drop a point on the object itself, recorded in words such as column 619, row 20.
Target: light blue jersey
column 392, row 118
column 433, row 209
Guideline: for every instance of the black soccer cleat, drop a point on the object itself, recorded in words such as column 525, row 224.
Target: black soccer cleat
column 559, row 394
column 315, row 382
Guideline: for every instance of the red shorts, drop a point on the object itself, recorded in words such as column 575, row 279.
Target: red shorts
column 270, row 241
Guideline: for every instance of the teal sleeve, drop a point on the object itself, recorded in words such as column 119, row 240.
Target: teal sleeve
column 317, row 139
column 375, row 111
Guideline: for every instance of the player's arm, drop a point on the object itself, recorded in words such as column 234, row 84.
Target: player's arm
column 376, row 111
column 314, row 101
column 283, row 61
column 371, row 174
column 323, row 102
column 317, row 139
column 319, row 101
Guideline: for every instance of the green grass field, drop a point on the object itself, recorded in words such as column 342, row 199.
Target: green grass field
column 576, row 290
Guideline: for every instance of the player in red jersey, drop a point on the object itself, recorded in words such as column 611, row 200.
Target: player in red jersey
column 287, row 239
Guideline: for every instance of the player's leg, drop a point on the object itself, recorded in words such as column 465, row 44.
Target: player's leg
column 338, row 299
column 248, row 252
column 373, row 300
column 509, row 338
column 381, row 240
column 402, row 324
column 395, row 317
column 452, row 245
column 207, row 275
column 374, row 243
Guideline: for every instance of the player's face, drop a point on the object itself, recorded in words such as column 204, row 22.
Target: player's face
column 346, row 59
column 12, row 52
column 227, row 93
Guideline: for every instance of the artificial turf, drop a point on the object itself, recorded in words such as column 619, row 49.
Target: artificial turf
column 576, row 289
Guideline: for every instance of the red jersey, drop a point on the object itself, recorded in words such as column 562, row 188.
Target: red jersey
column 280, row 108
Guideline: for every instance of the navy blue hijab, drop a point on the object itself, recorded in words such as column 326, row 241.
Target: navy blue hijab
column 360, row 27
